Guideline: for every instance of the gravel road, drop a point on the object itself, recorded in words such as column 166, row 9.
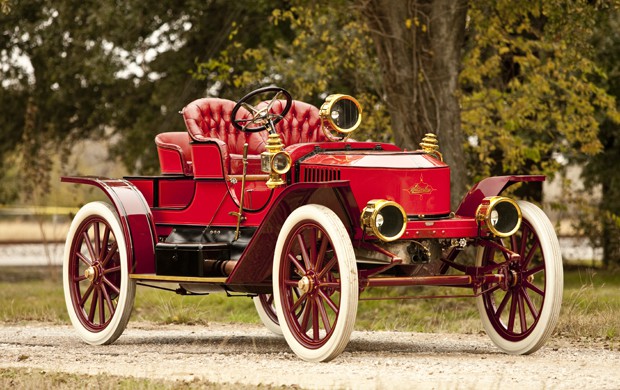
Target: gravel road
column 373, row 360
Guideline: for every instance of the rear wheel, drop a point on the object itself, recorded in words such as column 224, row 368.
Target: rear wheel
column 267, row 312
column 520, row 319
column 98, row 292
column 315, row 283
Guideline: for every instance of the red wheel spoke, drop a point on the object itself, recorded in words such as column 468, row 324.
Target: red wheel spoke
column 297, row 264
column 79, row 278
column 323, row 313
column 329, row 301
column 534, row 288
column 111, row 285
column 502, row 305
column 521, row 308
column 97, row 248
column 108, row 300
column 304, row 253
column 332, row 285
column 299, row 302
column 313, row 245
column 513, row 242
column 101, row 306
column 84, row 298
column 315, row 319
column 93, row 306
column 89, row 245
column 322, row 250
column 534, row 270
column 305, row 315
column 512, row 314
column 112, row 270
column 86, row 261
column 291, row 283
column 328, row 267
column 529, row 303
column 110, row 254
column 530, row 254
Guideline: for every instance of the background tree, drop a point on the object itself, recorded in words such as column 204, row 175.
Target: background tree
column 601, row 222
column 73, row 69
column 530, row 97
column 419, row 46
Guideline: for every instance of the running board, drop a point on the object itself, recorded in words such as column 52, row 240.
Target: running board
column 177, row 279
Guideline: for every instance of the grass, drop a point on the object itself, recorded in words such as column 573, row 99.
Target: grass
column 590, row 307
column 22, row 378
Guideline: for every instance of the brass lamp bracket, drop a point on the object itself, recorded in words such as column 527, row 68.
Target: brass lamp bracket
column 273, row 147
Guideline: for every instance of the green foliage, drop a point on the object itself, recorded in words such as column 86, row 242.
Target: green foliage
column 328, row 50
column 530, row 86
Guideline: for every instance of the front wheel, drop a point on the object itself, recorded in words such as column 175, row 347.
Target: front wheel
column 98, row 292
column 520, row 319
column 315, row 283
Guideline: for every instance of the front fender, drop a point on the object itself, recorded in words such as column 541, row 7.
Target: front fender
column 491, row 186
column 135, row 218
column 255, row 264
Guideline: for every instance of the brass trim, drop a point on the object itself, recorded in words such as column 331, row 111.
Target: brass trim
column 167, row 278
column 249, row 177
column 289, row 162
column 327, row 123
column 484, row 213
column 273, row 147
column 369, row 218
column 430, row 145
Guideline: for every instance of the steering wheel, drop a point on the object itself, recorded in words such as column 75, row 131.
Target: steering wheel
column 262, row 117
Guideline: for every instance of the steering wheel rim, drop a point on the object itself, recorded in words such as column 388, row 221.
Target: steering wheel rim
column 261, row 116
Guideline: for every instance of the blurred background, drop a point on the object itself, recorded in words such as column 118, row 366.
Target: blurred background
column 526, row 87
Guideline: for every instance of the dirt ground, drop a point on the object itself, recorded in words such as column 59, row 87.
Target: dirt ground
column 251, row 355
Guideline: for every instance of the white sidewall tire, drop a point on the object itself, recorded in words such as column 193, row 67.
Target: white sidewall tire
column 272, row 326
column 554, row 285
column 341, row 335
column 122, row 313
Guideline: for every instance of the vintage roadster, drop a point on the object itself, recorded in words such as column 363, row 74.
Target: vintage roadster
column 269, row 198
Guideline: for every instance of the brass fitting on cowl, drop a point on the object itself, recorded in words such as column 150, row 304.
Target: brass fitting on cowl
column 430, row 145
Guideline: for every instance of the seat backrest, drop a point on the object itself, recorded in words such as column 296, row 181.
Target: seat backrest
column 211, row 118
column 174, row 152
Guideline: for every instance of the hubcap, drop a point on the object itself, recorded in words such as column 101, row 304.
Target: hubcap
column 305, row 284
column 90, row 273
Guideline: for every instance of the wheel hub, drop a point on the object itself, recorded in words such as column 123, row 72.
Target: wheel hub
column 91, row 273
column 305, row 284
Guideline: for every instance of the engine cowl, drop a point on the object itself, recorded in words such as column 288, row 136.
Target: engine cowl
column 416, row 181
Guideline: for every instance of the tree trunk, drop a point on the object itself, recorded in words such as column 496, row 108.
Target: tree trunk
column 419, row 45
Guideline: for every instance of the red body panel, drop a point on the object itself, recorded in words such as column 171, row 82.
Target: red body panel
column 418, row 182
column 491, row 186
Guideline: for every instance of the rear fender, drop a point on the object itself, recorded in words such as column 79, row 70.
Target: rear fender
column 255, row 264
column 491, row 186
column 135, row 218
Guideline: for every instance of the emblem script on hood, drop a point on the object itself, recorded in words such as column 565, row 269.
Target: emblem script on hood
column 420, row 188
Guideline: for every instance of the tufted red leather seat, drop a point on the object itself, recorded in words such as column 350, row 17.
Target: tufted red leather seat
column 174, row 153
column 209, row 119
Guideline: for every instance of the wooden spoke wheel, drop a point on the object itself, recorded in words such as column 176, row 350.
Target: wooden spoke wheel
column 521, row 315
column 98, row 292
column 315, row 283
column 267, row 312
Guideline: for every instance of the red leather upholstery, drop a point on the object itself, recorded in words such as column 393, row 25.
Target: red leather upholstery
column 174, row 153
column 210, row 118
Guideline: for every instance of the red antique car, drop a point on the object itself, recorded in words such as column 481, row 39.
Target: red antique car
column 268, row 197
